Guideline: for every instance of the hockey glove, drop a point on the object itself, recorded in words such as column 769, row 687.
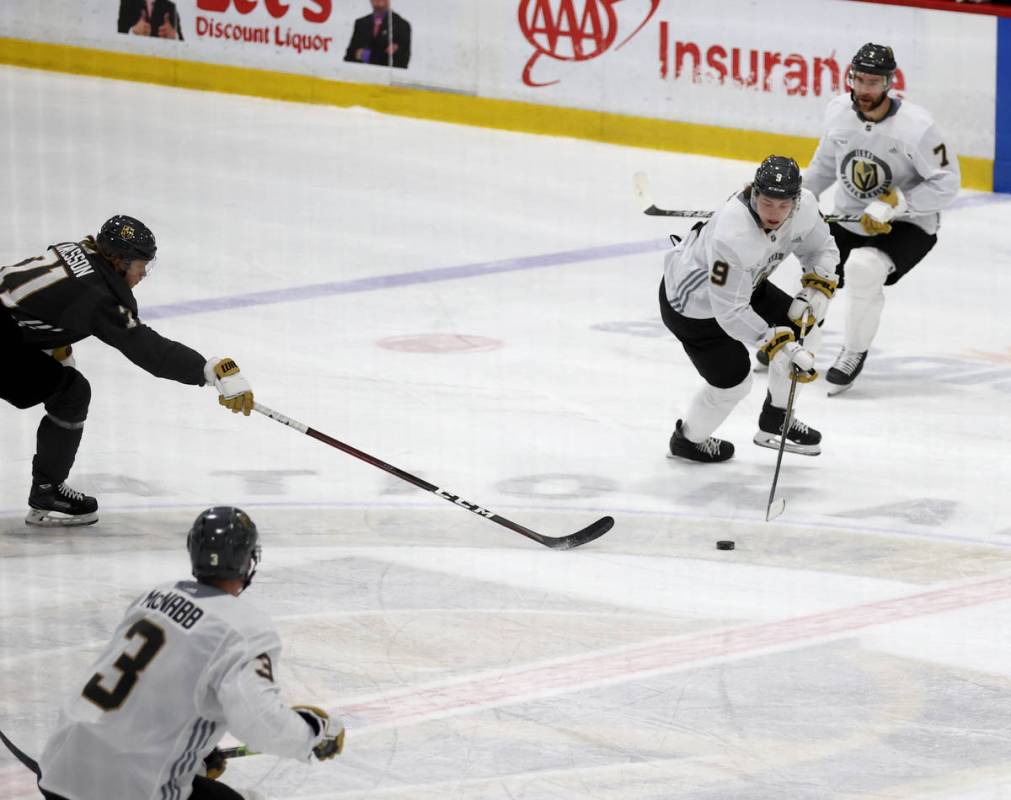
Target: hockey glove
column 784, row 352
column 810, row 305
column 234, row 391
column 878, row 214
column 215, row 764
column 331, row 732
column 65, row 355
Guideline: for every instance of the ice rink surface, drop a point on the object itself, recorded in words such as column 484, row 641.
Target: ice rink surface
column 479, row 308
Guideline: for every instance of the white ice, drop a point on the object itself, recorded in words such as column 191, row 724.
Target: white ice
column 856, row 647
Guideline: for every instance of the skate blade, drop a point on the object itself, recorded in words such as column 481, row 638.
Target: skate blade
column 771, row 440
column 837, row 389
column 686, row 460
column 54, row 519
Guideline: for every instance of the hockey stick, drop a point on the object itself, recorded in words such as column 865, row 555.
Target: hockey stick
column 241, row 751
column 587, row 534
column 645, row 195
column 777, row 507
column 21, row 756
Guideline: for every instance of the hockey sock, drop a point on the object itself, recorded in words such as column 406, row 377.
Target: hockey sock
column 866, row 271
column 710, row 407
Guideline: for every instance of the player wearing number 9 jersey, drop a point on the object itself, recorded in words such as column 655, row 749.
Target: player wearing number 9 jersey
column 715, row 297
column 190, row 661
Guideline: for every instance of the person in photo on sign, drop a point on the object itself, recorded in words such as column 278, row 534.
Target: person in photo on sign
column 382, row 38
column 894, row 170
column 190, row 661
column 715, row 297
column 158, row 18
column 74, row 290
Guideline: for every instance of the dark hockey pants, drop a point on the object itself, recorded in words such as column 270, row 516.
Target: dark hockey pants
column 29, row 376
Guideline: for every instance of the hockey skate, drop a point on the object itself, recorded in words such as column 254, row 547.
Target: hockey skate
column 801, row 439
column 844, row 371
column 57, row 505
column 710, row 451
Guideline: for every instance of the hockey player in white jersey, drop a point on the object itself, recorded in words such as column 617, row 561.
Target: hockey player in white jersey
column 190, row 661
column 716, row 299
column 897, row 173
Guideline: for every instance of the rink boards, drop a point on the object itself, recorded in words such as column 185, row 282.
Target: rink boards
column 726, row 80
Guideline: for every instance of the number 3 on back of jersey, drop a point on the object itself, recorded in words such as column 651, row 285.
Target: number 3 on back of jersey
column 129, row 666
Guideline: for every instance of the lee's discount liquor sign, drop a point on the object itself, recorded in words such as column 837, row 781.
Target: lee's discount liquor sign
column 230, row 20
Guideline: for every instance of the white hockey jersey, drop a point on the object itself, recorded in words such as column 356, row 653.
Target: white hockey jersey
column 714, row 270
column 188, row 662
column 904, row 149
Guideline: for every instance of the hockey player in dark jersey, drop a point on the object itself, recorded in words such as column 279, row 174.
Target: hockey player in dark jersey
column 72, row 291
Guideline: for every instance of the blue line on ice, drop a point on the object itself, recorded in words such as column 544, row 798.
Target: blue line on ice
column 316, row 290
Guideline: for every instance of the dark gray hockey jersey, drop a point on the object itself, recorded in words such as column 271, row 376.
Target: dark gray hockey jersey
column 71, row 292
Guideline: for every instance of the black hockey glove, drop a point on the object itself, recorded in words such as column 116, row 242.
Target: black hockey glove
column 215, row 764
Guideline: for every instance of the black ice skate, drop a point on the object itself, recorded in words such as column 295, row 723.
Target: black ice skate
column 801, row 438
column 54, row 505
column 710, row 451
column 844, row 371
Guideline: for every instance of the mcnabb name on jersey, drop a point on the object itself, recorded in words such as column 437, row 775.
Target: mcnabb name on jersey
column 174, row 606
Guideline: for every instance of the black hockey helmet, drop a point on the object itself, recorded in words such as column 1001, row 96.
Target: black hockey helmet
column 778, row 177
column 127, row 237
column 875, row 59
column 224, row 543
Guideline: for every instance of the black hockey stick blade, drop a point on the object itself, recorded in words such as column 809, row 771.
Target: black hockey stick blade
column 581, row 537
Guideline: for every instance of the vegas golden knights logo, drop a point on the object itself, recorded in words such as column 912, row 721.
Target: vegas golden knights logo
column 126, row 232
column 865, row 175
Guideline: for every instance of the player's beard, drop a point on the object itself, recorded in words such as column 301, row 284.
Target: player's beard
column 868, row 104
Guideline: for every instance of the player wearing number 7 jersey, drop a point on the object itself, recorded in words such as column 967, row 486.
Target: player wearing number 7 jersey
column 716, row 298
column 190, row 661
column 895, row 171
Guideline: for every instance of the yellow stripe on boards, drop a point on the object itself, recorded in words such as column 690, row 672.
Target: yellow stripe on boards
column 654, row 134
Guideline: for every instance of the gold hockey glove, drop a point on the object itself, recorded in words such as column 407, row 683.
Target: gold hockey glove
column 878, row 215
column 786, row 354
column 810, row 305
column 234, row 391
column 331, row 732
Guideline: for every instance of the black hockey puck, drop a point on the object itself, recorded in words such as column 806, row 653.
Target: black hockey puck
column 725, row 544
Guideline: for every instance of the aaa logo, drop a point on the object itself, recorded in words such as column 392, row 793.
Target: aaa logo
column 571, row 30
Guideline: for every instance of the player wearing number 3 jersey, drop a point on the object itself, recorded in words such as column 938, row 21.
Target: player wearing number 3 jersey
column 715, row 297
column 190, row 661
